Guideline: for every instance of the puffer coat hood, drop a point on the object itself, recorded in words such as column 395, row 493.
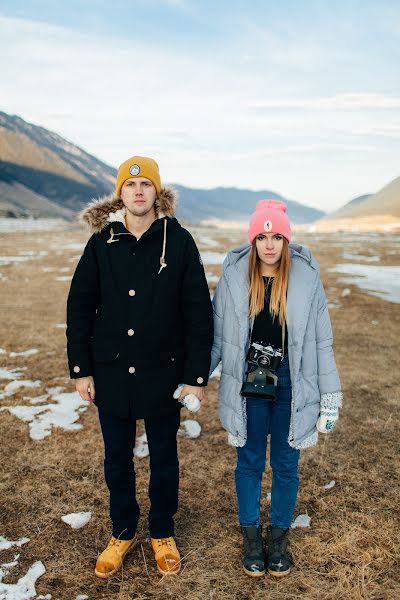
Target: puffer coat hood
column 99, row 213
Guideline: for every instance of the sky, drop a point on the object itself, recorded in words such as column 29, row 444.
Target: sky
column 298, row 97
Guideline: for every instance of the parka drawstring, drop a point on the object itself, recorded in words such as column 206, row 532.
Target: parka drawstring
column 162, row 257
column 163, row 264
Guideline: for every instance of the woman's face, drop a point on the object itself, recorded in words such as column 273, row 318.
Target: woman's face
column 269, row 249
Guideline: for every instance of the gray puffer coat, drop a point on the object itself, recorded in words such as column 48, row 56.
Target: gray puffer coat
column 312, row 365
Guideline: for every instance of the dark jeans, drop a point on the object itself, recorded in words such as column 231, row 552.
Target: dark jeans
column 119, row 441
column 268, row 417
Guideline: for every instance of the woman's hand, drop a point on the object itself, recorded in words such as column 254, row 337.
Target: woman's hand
column 192, row 389
column 326, row 422
column 85, row 387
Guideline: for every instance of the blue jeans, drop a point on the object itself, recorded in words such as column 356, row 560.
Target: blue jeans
column 268, row 417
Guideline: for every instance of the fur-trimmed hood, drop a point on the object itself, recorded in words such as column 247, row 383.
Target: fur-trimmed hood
column 100, row 213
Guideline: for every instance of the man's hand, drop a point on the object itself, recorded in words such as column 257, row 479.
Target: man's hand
column 85, row 387
column 192, row 389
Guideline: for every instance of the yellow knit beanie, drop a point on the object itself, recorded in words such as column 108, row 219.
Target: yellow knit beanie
column 138, row 166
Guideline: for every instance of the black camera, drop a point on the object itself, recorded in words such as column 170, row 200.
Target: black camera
column 261, row 380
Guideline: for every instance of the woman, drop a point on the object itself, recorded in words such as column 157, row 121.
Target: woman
column 270, row 307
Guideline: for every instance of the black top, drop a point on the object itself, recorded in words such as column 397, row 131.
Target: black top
column 266, row 328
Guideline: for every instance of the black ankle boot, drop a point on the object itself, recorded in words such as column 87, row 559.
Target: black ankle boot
column 253, row 554
column 279, row 564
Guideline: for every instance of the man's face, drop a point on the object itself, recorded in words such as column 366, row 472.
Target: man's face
column 138, row 195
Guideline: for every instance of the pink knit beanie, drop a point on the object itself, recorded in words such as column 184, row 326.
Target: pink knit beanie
column 269, row 217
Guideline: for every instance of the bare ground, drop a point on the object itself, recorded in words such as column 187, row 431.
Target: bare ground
column 351, row 550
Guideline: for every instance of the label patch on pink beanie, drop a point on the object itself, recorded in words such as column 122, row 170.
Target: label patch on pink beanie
column 268, row 225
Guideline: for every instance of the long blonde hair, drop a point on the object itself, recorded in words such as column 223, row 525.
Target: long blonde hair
column 277, row 304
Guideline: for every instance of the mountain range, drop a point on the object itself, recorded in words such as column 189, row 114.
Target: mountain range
column 44, row 175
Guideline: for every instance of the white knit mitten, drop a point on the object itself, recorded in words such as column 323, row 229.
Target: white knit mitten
column 190, row 401
column 329, row 412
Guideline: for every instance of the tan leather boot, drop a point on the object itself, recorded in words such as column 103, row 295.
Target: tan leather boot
column 112, row 557
column 167, row 555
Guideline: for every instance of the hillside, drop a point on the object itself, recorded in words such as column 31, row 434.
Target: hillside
column 384, row 202
column 49, row 168
column 44, row 175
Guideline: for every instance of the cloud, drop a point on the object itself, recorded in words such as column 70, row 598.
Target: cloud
column 200, row 117
column 340, row 102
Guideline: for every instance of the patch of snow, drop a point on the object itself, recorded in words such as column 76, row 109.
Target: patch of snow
column 5, row 568
column 330, row 485
column 382, row 282
column 2, row 351
column 63, row 412
column 30, row 224
column 301, row 521
column 11, row 373
column 346, row 292
column 37, row 399
column 70, row 246
column 77, row 520
column 6, row 544
column 212, row 278
column 333, row 305
column 12, row 387
column 82, row 597
column 206, row 241
column 9, row 260
column 24, row 589
column 269, row 496
column 61, row 325
column 141, row 449
column 64, row 278
column 213, row 258
column 55, row 390
column 190, row 429
column 216, row 374
column 33, row 253
column 374, row 322
column 348, row 256
column 24, row 353
column 22, row 257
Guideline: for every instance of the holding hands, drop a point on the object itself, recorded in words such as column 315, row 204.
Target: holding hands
column 190, row 396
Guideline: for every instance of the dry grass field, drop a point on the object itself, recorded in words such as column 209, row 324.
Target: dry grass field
column 352, row 547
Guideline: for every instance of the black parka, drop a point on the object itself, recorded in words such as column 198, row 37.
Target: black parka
column 138, row 329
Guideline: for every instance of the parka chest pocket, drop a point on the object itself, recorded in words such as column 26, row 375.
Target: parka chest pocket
column 104, row 354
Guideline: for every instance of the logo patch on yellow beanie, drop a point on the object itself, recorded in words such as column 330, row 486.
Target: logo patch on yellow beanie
column 134, row 170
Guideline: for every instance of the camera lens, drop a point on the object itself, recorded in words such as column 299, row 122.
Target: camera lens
column 264, row 361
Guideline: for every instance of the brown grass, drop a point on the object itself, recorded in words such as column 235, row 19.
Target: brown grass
column 351, row 550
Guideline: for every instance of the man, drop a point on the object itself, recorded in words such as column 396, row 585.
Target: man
column 139, row 322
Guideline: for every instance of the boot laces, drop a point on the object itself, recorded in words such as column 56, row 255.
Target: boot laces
column 116, row 542
column 164, row 542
